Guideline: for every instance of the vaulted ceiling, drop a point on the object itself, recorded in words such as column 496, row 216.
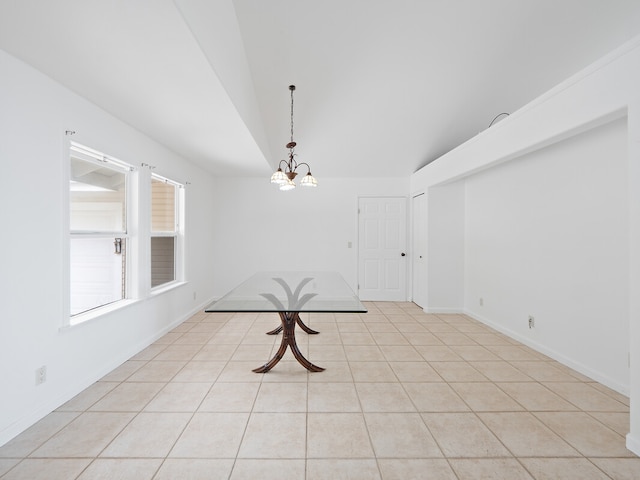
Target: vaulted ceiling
column 383, row 86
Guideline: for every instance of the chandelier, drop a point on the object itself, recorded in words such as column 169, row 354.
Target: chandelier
column 284, row 178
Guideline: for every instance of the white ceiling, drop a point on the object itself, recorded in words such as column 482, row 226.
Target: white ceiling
column 383, row 86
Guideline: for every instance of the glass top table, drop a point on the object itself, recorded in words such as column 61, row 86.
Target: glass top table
column 289, row 294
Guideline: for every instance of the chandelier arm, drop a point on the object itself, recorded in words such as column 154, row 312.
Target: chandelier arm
column 304, row 163
column 291, row 163
column 285, row 163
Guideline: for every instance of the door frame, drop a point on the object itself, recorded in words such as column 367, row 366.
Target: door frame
column 412, row 233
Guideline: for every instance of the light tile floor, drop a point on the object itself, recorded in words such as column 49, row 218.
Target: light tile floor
column 405, row 395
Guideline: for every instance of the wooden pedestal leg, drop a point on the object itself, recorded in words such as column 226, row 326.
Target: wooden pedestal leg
column 303, row 326
column 300, row 323
column 275, row 331
column 289, row 320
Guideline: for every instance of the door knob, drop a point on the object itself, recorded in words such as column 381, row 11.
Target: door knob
column 403, row 254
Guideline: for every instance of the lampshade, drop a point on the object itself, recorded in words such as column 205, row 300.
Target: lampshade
column 279, row 177
column 308, row 181
column 288, row 185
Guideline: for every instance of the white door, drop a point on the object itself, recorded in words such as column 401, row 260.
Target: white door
column 382, row 259
column 419, row 250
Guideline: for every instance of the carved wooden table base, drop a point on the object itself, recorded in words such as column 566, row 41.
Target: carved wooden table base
column 289, row 321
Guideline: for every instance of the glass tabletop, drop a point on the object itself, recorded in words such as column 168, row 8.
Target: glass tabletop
column 290, row 292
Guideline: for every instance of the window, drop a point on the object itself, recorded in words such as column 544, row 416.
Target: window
column 126, row 234
column 98, row 229
column 164, row 230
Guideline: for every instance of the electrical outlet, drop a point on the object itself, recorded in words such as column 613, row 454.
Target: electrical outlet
column 532, row 322
column 481, row 301
column 41, row 375
column 194, row 295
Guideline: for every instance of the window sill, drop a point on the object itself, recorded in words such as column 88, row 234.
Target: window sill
column 91, row 315
column 97, row 313
column 159, row 290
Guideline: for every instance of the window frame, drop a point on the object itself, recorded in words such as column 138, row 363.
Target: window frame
column 177, row 234
column 87, row 154
column 137, row 233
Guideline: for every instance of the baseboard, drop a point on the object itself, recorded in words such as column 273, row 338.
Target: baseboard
column 633, row 443
column 436, row 310
column 77, row 387
column 577, row 366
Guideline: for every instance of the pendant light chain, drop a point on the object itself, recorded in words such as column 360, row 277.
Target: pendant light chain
column 291, row 112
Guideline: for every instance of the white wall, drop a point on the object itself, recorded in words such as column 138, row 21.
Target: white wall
column 34, row 114
column 633, row 161
column 304, row 229
column 603, row 93
column 445, row 248
column 546, row 235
